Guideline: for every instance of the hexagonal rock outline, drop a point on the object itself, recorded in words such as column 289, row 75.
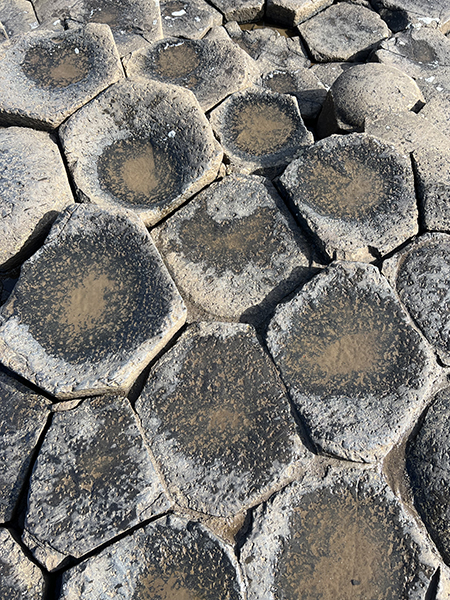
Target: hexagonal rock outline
column 94, row 379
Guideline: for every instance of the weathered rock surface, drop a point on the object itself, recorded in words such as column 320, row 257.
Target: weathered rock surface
column 357, row 370
column 437, row 112
column 328, row 72
column 225, row 392
column 93, row 480
column 260, row 131
column 356, row 195
column 400, row 14
column 234, row 251
column 241, row 11
column 421, row 276
column 33, row 189
column 23, row 415
column 47, row 75
column 212, row 70
column 17, row 17
column 20, row 579
column 170, row 558
column 366, row 90
column 345, row 536
column 188, row 19
column 91, row 307
column 293, row 12
column 146, row 146
column 343, row 31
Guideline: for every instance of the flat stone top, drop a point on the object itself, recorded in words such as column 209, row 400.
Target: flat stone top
column 20, row 579
column 419, row 12
column 188, row 18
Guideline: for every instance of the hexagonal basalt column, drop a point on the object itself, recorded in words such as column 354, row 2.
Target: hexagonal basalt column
column 93, row 480
column 343, row 536
column 218, row 422
column 142, row 145
column 188, row 18
column 46, row 75
column 20, row 579
column 170, row 558
column 91, row 307
column 356, row 194
column 260, row 131
column 358, row 371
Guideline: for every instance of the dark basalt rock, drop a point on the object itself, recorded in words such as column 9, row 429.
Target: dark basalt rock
column 20, row 579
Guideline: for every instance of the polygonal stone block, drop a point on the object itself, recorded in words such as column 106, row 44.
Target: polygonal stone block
column 146, row 146
column 293, row 12
column 421, row 275
column 437, row 112
column 217, row 419
column 170, row 558
column 33, row 189
column 260, row 131
column 433, row 187
column 242, row 11
column 93, row 480
column 211, row 69
column 356, row 194
column 401, row 14
column 327, row 73
column 20, row 579
column 188, row 19
column 91, row 307
column 234, row 251
column 17, row 17
column 357, row 370
column 342, row 536
column 23, row 415
column 47, row 75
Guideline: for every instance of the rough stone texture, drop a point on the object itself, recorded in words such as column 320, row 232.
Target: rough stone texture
column 17, row 17
column 356, row 195
column 170, row 558
column 437, row 112
column 23, row 415
column 234, row 251
column 421, row 276
column 20, row 579
column 3, row 34
column 357, row 370
column 212, row 70
column 33, row 189
column 47, row 75
column 345, row 536
column 293, row 12
column 366, row 90
column 343, row 32
column 260, row 131
column 401, row 14
column 225, row 392
column 93, row 480
column 91, row 307
column 241, row 11
column 327, row 73
column 146, row 146
column 188, row 19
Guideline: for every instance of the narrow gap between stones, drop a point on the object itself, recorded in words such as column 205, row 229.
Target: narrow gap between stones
column 432, row 590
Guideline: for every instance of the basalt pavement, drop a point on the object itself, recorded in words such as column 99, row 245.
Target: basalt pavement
column 225, row 306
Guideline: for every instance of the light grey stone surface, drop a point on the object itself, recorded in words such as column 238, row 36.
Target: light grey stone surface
column 170, row 558
column 142, row 145
column 188, row 18
column 91, row 307
column 327, row 73
column 23, row 416
column 293, row 12
column 93, row 480
column 343, row 31
column 401, row 14
column 356, row 194
column 260, row 131
column 234, row 251
column 33, row 189
column 433, row 187
column 212, row 70
column 437, row 112
column 47, row 75
column 225, row 391
column 241, row 11
column 20, row 579
column 17, row 17
column 357, row 370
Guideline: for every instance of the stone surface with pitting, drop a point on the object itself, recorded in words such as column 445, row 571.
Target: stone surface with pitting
column 343, row 536
column 20, row 579
column 328, row 72
column 358, row 371
column 401, row 14
column 363, row 91
column 211, row 69
column 437, row 112
column 93, row 480
column 33, row 189
column 293, row 12
column 17, row 17
column 260, row 131
column 142, row 145
column 23, row 415
column 421, row 276
column 190, row 19
column 233, row 441
column 343, row 31
column 47, row 75
column 234, row 251
column 242, row 11
column 170, row 558
column 91, row 307
column 356, row 194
